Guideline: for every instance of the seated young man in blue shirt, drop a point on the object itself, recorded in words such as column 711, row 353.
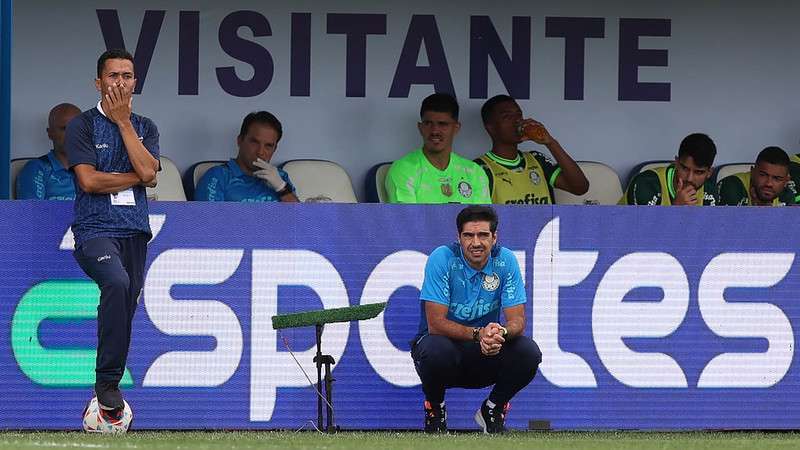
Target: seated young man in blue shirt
column 250, row 177
column 48, row 177
column 460, row 342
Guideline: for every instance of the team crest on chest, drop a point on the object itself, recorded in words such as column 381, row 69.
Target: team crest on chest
column 465, row 189
column 447, row 190
column 444, row 183
column 535, row 178
column 491, row 282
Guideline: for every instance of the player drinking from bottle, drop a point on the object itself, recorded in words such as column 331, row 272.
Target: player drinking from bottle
column 524, row 177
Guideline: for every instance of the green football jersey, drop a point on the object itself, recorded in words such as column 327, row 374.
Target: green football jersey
column 527, row 179
column 413, row 179
column 649, row 187
column 794, row 172
column 734, row 190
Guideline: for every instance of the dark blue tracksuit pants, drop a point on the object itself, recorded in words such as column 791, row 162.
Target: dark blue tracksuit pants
column 444, row 363
column 117, row 266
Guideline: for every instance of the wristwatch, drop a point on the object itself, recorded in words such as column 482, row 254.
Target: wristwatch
column 504, row 331
column 476, row 334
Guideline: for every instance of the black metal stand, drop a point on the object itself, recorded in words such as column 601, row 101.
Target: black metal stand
column 327, row 361
column 318, row 319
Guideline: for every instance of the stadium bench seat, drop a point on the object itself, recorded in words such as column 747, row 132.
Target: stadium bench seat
column 604, row 187
column 193, row 175
column 320, row 181
column 16, row 167
column 169, row 186
column 730, row 169
column 375, row 183
column 647, row 165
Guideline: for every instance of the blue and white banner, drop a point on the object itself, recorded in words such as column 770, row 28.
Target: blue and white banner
column 666, row 318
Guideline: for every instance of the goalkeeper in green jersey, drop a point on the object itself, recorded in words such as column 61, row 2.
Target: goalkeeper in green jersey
column 434, row 173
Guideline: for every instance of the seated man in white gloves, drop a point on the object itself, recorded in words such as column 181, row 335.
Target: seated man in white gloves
column 250, row 177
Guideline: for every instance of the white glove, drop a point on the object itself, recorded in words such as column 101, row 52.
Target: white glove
column 269, row 174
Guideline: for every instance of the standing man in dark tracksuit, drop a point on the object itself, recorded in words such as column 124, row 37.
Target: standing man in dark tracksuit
column 114, row 155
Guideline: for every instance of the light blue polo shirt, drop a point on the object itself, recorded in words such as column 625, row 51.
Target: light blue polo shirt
column 227, row 183
column 474, row 297
column 44, row 178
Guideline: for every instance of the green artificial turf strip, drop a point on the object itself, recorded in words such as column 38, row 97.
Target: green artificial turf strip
column 197, row 440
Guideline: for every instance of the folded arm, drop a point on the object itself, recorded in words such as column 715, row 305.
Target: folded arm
column 93, row 181
column 144, row 164
column 438, row 323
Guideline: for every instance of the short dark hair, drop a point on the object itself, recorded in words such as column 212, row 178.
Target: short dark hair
column 440, row 102
column 700, row 147
column 773, row 155
column 264, row 118
column 488, row 108
column 113, row 53
column 477, row 213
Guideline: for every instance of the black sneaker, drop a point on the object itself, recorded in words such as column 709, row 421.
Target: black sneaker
column 112, row 416
column 109, row 397
column 435, row 418
column 492, row 420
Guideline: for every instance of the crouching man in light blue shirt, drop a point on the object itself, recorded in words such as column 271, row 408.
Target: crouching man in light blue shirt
column 461, row 341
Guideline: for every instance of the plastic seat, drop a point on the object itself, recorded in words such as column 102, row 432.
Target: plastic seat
column 730, row 169
column 375, row 183
column 654, row 165
column 16, row 167
column 320, row 181
column 604, row 186
column 169, row 186
column 193, row 175
column 647, row 165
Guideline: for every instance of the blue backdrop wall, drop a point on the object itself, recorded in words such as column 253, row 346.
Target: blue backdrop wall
column 677, row 318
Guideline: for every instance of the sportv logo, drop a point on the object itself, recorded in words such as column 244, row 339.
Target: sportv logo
column 612, row 319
